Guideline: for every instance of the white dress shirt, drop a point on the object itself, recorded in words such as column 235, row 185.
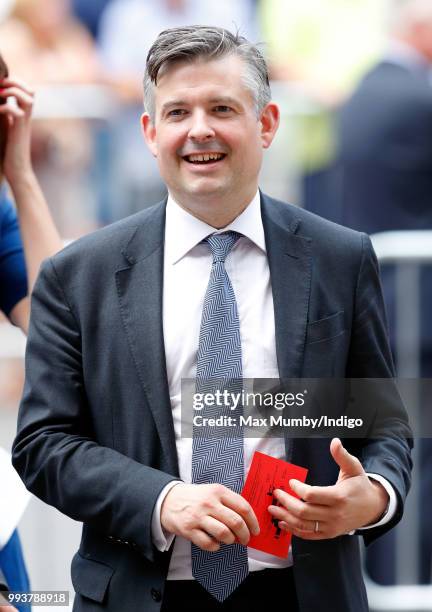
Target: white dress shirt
column 187, row 266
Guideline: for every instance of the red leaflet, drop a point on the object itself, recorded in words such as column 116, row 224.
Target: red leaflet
column 265, row 475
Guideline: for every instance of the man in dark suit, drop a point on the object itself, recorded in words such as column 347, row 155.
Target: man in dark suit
column 121, row 317
column 384, row 169
column 385, row 134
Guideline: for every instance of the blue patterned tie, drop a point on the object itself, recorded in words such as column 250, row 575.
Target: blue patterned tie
column 219, row 457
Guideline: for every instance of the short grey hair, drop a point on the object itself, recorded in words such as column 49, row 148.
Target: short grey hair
column 194, row 42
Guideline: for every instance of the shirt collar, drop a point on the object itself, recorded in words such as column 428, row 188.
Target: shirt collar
column 183, row 231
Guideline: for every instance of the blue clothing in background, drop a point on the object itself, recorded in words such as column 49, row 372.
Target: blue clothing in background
column 13, row 277
column 14, row 569
column 13, row 288
column 90, row 13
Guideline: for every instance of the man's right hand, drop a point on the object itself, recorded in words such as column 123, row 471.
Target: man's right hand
column 208, row 514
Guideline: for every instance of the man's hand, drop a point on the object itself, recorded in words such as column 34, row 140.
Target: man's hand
column 207, row 514
column 353, row 502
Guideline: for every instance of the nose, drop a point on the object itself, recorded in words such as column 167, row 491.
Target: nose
column 200, row 128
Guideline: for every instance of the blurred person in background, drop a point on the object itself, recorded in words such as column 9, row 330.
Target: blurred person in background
column 90, row 13
column 127, row 29
column 49, row 47
column 382, row 180
column 27, row 236
column 385, row 132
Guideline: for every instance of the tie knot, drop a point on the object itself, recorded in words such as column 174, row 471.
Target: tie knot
column 221, row 244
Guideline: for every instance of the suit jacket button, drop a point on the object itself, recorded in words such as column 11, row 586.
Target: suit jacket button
column 156, row 595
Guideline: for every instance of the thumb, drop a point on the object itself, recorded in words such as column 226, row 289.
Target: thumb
column 349, row 465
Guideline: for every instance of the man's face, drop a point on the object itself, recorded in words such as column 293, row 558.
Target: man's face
column 206, row 136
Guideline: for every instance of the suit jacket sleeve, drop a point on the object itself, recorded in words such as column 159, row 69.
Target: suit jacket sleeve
column 54, row 452
column 387, row 450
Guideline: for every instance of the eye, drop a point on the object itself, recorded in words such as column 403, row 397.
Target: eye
column 222, row 108
column 176, row 112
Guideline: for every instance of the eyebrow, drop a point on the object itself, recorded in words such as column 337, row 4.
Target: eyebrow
column 216, row 100
column 225, row 100
column 171, row 104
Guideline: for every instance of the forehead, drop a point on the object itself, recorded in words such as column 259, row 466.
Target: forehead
column 203, row 78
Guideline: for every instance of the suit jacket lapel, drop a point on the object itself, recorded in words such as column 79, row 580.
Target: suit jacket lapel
column 140, row 289
column 290, row 265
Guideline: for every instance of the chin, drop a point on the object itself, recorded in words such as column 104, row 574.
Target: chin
column 206, row 190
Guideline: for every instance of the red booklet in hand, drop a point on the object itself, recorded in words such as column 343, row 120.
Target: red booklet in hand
column 265, row 475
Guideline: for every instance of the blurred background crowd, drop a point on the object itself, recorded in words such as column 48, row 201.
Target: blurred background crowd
column 353, row 78
column 86, row 61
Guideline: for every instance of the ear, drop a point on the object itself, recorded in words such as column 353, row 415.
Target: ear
column 270, row 117
column 149, row 132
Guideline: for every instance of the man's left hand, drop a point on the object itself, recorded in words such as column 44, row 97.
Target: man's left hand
column 327, row 512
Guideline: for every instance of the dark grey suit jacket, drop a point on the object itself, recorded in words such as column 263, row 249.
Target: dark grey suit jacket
column 95, row 433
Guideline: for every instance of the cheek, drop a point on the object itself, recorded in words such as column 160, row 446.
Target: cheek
column 169, row 143
column 250, row 142
column 167, row 153
column 254, row 151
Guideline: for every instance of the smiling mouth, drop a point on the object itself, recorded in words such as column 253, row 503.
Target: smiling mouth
column 204, row 158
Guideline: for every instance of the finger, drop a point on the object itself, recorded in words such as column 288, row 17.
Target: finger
column 14, row 82
column 349, row 464
column 22, row 98
column 301, row 509
column 11, row 111
column 217, row 530
column 203, row 540
column 241, row 506
column 309, row 493
column 305, row 535
column 323, row 496
column 291, row 520
column 235, row 523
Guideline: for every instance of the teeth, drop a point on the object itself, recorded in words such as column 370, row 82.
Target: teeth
column 205, row 157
